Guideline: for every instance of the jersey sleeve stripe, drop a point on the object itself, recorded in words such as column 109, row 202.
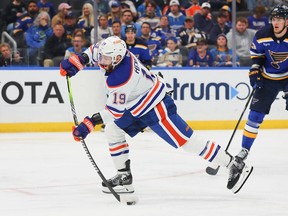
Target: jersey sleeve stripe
column 116, row 113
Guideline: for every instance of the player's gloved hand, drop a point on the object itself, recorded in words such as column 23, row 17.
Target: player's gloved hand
column 83, row 129
column 72, row 65
column 255, row 78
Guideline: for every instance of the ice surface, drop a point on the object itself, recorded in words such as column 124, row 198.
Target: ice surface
column 49, row 174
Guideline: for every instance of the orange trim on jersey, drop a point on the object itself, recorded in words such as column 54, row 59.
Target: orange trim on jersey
column 147, row 98
column 168, row 126
column 118, row 147
column 114, row 114
column 210, row 151
column 249, row 134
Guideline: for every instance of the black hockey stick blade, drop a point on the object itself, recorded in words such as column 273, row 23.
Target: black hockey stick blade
column 129, row 200
column 211, row 170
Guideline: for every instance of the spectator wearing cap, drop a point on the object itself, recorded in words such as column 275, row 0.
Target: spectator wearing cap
column 150, row 15
column 203, row 20
column 220, row 27
column 63, row 10
column 193, row 8
column 188, row 34
column 86, row 20
column 201, row 56
column 137, row 46
column 225, row 9
column 222, row 54
column 176, row 17
column 103, row 29
column 171, row 55
column 47, row 6
column 115, row 12
column 142, row 8
column 127, row 19
column 258, row 19
column 70, row 24
column 131, row 6
column 153, row 43
column 24, row 22
column 164, row 30
column 166, row 9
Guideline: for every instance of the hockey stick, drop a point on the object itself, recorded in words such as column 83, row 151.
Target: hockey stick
column 214, row 171
column 129, row 200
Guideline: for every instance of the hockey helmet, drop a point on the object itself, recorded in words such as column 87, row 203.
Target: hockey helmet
column 279, row 11
column 130, row 28
column 109, row 49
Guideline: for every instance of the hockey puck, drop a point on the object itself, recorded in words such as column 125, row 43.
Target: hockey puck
column 131, row 203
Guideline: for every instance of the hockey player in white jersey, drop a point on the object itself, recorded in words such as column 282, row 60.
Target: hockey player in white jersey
column 137, row 99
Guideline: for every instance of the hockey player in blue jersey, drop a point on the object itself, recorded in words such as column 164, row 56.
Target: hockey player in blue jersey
column 268, row 75
column 136, row 99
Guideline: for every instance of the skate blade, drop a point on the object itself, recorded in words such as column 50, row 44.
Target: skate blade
column 243, row 178
column 119, row 189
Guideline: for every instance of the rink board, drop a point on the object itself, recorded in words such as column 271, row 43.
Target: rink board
column 36, row 99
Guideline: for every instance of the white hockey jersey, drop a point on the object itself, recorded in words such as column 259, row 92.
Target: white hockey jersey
column 131, row 87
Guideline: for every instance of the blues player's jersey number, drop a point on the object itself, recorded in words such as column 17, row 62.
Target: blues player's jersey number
column 119, row 98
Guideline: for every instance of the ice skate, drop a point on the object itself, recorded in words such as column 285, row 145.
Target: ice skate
column 239, row 172
column 121, row 182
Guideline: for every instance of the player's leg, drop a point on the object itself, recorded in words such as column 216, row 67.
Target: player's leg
column 119, row 151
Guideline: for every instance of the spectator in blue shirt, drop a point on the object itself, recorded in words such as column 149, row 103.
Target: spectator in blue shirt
column 44, row 5
column 201, row 56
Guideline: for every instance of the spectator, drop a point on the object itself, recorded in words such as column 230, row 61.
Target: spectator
column 201, row 56
column 203, row 20
column 103, row 31
column 164, row 31
column 131, row 7
column 77, row 46
column 6, row 56
column 47, row 6
column 244, row 37
column 218, row 28
column 13, row 11
column 189, row 35
column 150, row 14
column 116, row 28
column 193, row 8
column 55, row 46
column 258, row 20
column 176, row 17
column 171, row 55
column 86, row 20
column 142, row 8
column 70, row 24
column 137, row 46
column 153, row 43
column 36, row 37
column 127, row 19
column 24, row 22
column 166, row 9
column 221, row 54
column 63, row 10
column 80, row 32
column 227, row 11
column 115, row 13
column 252, row 4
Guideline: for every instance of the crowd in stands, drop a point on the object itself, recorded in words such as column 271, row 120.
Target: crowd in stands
column 172, row 33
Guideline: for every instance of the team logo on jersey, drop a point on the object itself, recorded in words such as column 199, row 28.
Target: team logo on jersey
column 278, row 58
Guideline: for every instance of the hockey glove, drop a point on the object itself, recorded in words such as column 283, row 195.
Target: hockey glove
column 72, row 65
column 83, row 129
column 255, row 78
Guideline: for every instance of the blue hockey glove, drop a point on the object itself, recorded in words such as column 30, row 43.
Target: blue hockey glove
column 72, row 65
column 83, row 129
column 255, row 78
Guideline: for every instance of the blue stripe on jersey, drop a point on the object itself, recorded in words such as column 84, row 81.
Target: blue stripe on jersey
column 215, row 153
column 115, row 110
column 120, row 153
column 152, row 101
